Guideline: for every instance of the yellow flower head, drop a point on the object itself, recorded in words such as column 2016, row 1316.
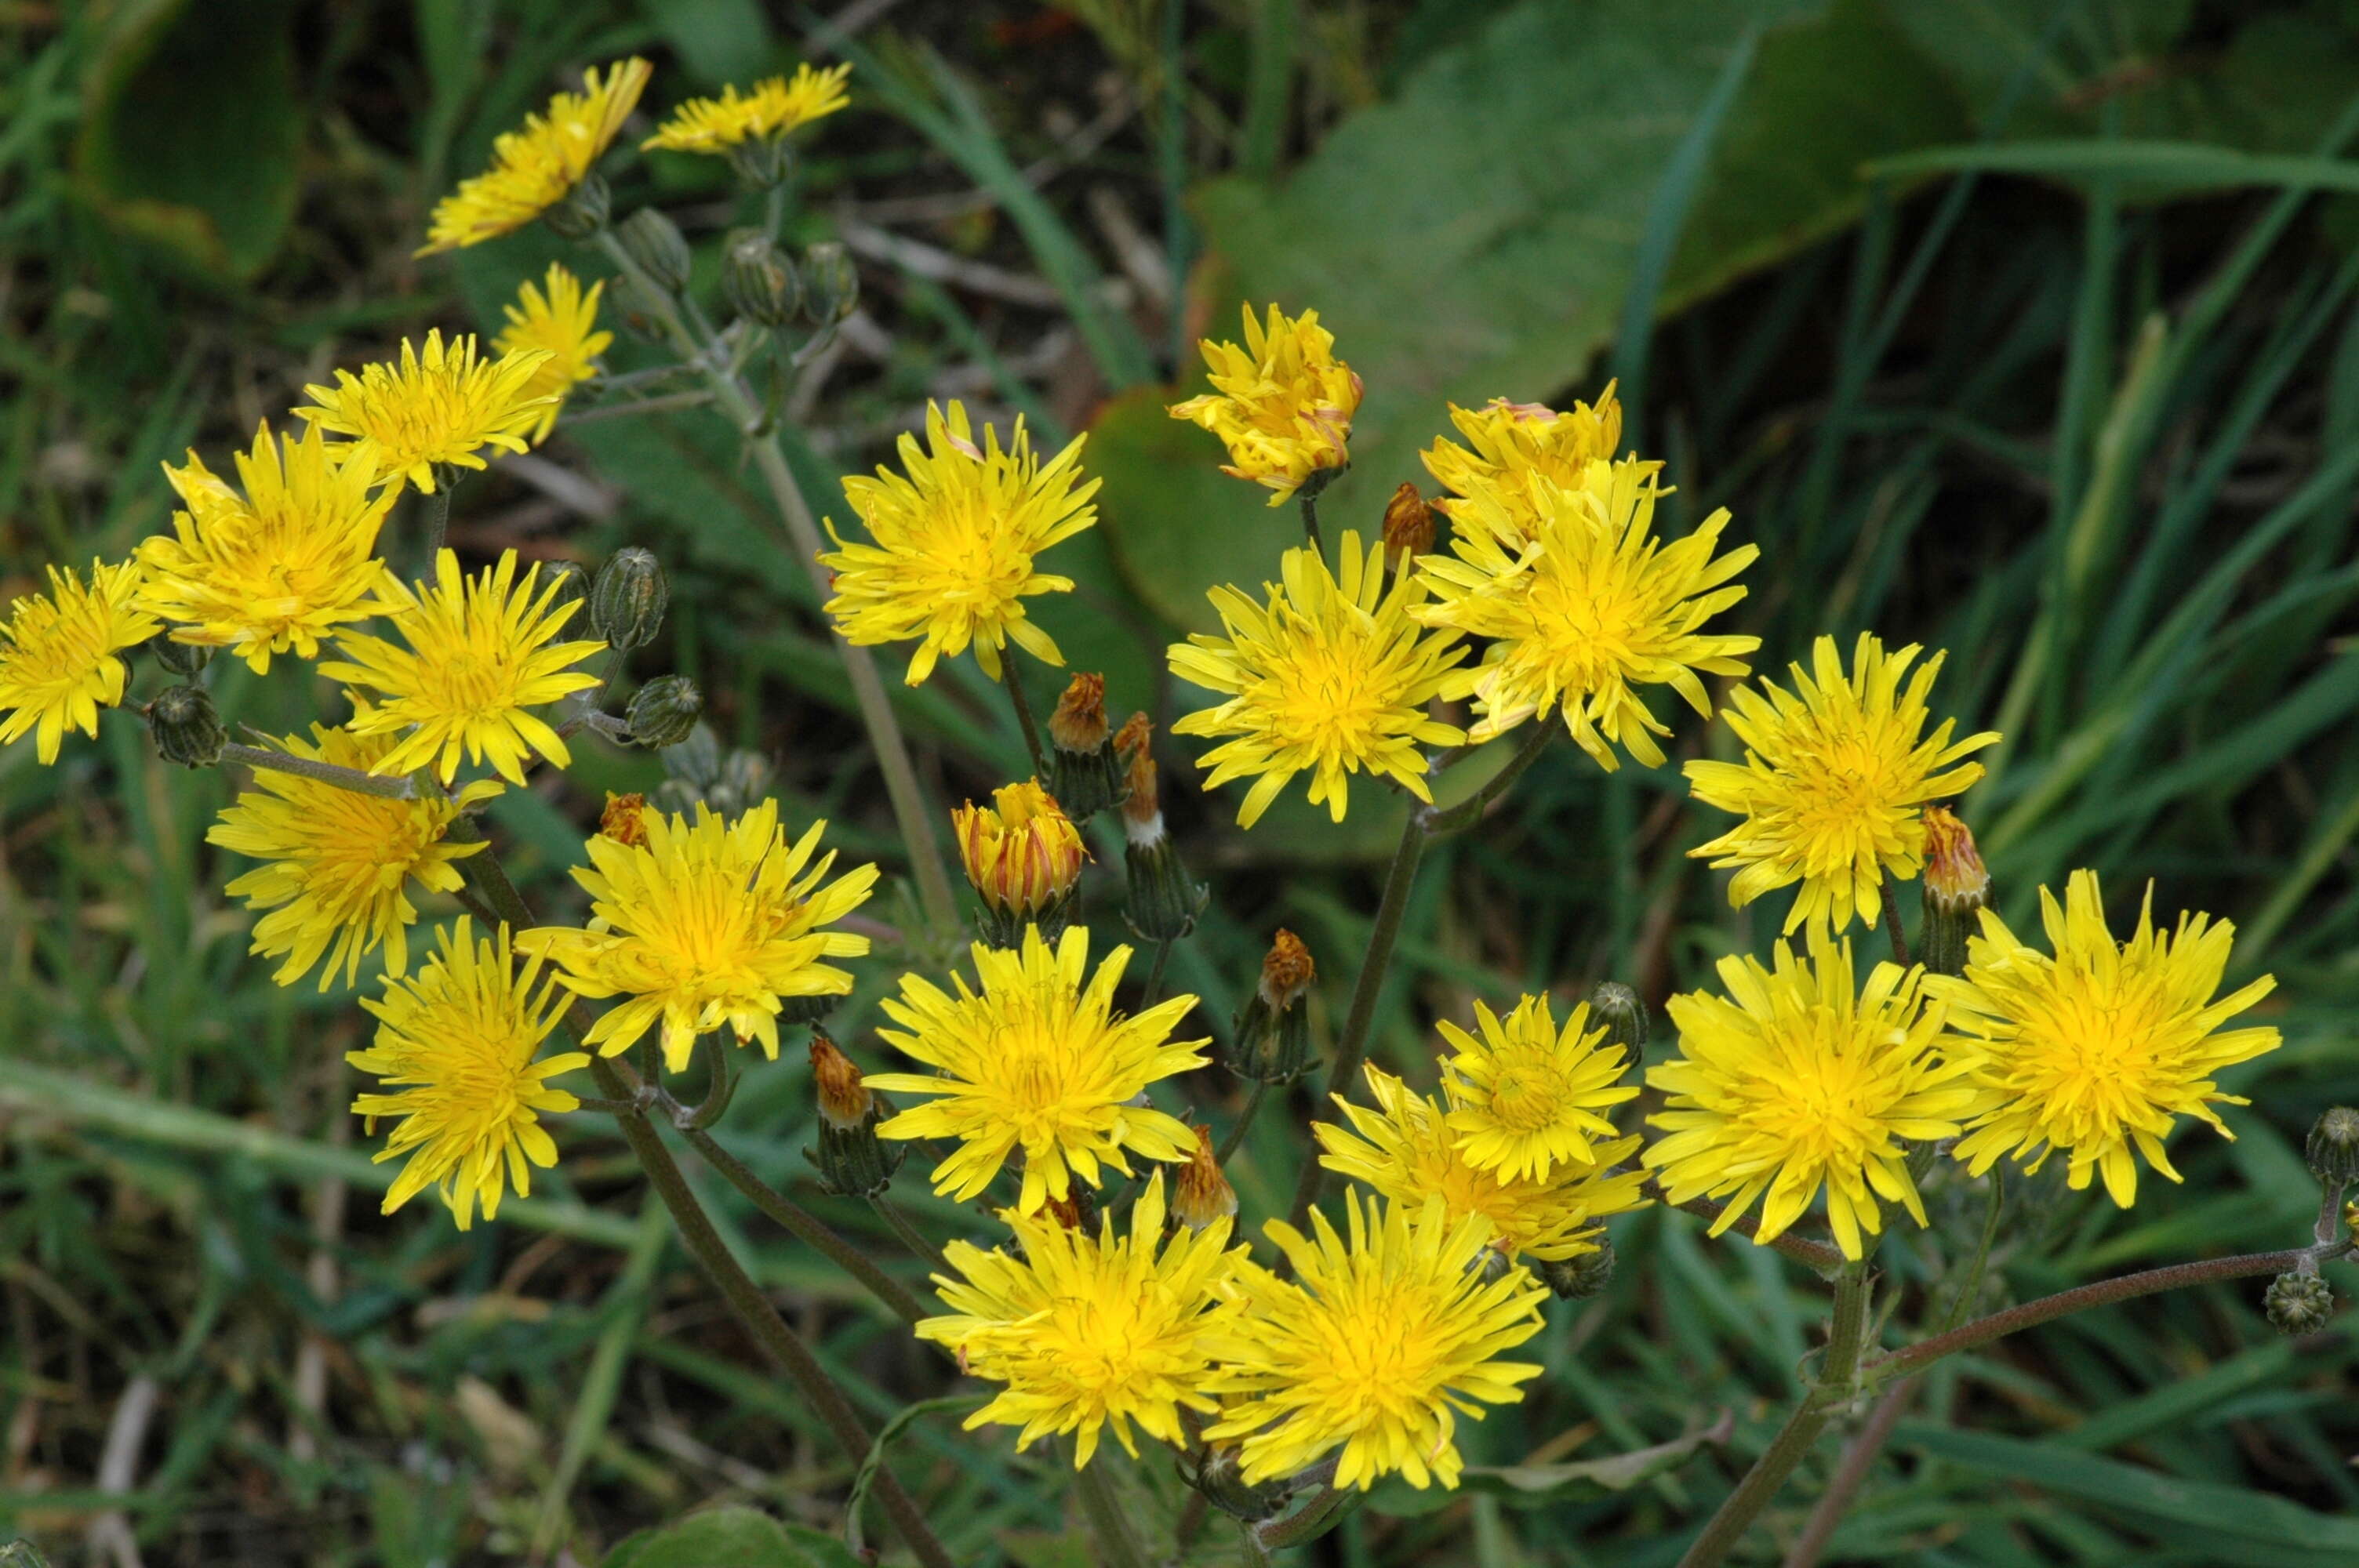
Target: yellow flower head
column 1512, row 440
column 279, row 567
column 1585, row 604
column 1407, row 1149
column 1088, row 1331
column 1393, row 1331
column 1330, row 678
column 440, row 407
column 535, row 168
column 1022, row 856
column 955, row 541
column 563, row 324
column 706, row 924
column 2100, row 1047
column 58, row 663
column 1283, row 403
column 339, row 862
column 1834, row 775
column 479, row 658
column 773, row 108
column 1039, row 1061
column 1529, row 1097
column 461, row 1034
column 1794, row 1080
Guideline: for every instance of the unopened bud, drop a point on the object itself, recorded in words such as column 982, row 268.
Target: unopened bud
column 1577, row 1278
column 742, row 782
column 2298, row 1304
column 1023, row 855
column 187, row 729
column 655, row 241
column 759, row 280
column 1083, row 772
column 664, row 711
column 1617, row 1007
column 567, row 583
column 1273, row 1032
column 580, row 211
column 1219, row 1477
column 1202, row 1195
column 695, row 762
column 1956, row 889
column 625, row 820
column 639, row 312
column 763, row 161
column 830, row 283
column 853, row 1161
column 627, row 606
column 1408, row 527
column 2333, row 1147
column 186, row 660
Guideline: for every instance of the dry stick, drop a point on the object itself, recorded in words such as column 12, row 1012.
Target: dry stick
column 1892, row 921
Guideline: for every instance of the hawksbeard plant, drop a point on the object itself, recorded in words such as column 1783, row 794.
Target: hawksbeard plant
column 1107, row 1285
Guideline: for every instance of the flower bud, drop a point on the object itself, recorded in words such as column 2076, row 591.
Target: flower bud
column 1617, row 1007
column 830, row 283
column 759, row 280
column 1577, row 1278
column 640, row 315
column 1408, row 527
column 1202, row 1195
column 742, row 782
column 2298, row 1304
column 187, row 729
column 1083, row 772
column 1163, row 902
column 1221, row 1479
column 1273, row 1032
column 2333, row 1147
column 581, row 211
column 624, row 819
column 654, row 241
column 186, row 660
column 1025, row 860
column 572, row 583
column 1956, row 889
column 695, row 762
column 853, row 1161
column 763, row 162
column 627, row 606
column 794, row 1011
column 664, row 711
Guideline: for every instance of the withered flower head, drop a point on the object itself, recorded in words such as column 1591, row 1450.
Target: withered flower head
column 623, row 819
column 1080, row 723
column 1287, row 971
column 843, row 1099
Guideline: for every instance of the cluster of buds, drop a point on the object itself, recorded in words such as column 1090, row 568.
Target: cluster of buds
column 1163, row 902
column 1023, row 855
column 852, row 1160
column 1957, row 889
column 1085, row 774
column 1273, row 1032
column 698, row 770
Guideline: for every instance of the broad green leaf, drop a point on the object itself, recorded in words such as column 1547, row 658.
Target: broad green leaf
column 728, row 1538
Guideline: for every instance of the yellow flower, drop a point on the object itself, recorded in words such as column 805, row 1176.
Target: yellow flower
column 461, row 1034
column 1036, row 1061
column 1794, row 1080
column 1584, row 604
column 1088, row 1331
column 283, row 565
column 1406, row 1149
column 1512, row 441
column 2100, row 1046
column 479, row 657
column 1331, row 678
column 536, row 167
column 1025, row 857
column 1283, row 403
column 563, row 324
column 952, row 560
column 706, row 924
column 341, row 862
column 58, row 663
column 1393, row 1328
column 1834, row 777
column 438, row 407
column 1527, row 1097
column 773, row 108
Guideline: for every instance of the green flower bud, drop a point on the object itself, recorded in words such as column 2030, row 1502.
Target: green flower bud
column 1617, row 1007
column 186, row 660
column 695, row 762
column 640, row 315
column 677, row 797
column 627, row 605
column 2333, row 1147
column 581, row 211
column 1221, row 1479
column 763, row 162
column 655, row 242
column 1576, row 1279
column 664, row 711
column 830, row 283
column 744, row 781
column 2298, row 1304
column 187, row 729
column 572, row 585
column 759, row 280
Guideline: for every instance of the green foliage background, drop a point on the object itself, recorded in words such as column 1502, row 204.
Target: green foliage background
column 2018, row 328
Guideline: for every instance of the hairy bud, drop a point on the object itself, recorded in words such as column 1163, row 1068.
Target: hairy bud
column 1220, row 1478
column 1576, row 1279
column 830, row 283
column 187, row 729
column 186, row 660
column 2298, row 1304
column 1617, row 1007
column 763, row 162
column 627, row 606
column 654, row 241
column 759, row 280
column 664, row 711
column 581, row 211
column 571, row 584
column 2333, row 1147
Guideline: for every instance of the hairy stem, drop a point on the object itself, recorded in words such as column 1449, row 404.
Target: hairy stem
column 1244, row 1123
column 1850, row 1475
column 1892, row 921
column 1309, row 504
column 1013, row 680
column 1154, row 989
column 921, row 1246
column 1468, row 811
column 385, row 786
column 1820, row 1259
column 438, row 517
column 666, row 404
column 1118, row 1544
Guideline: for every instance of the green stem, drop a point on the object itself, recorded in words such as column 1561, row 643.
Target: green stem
column 1013, row 681
column 1352, row 1046
column 1118, row 1546
column 663, row 404
column 1892, row 920
column 1244, row 1123
column 437, row 517
column 1851, row 1473
column 1311, row 1521
column 919, row 1244
column 1468, row 811
column 1155, row 974
column 385, row 786
column 1309, row 504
